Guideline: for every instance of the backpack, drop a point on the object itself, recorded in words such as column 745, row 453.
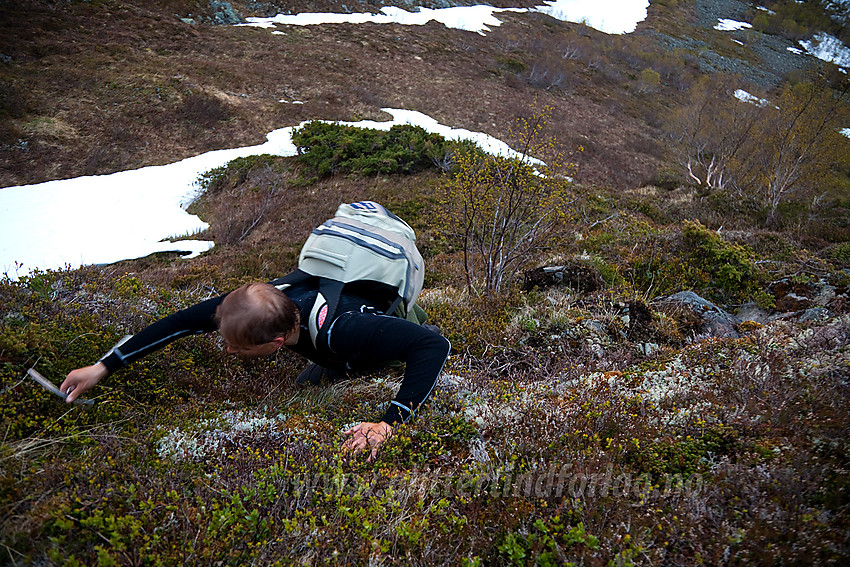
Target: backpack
column 367, row 249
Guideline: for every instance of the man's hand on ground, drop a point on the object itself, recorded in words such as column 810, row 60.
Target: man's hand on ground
column 81, row 380
column 367, row 436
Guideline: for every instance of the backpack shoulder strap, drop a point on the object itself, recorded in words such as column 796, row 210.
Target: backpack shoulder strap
column 295, row 277
column 324, row 309
column 324, row 306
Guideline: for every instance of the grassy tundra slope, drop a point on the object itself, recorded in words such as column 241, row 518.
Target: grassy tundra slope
column 591, row 421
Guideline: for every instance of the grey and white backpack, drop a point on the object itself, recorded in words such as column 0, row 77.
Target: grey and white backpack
column 367, row 248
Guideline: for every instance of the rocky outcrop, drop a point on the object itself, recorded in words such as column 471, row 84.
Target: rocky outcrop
column 713, row 321
column 791, row 295
column 797, row 301
column 223, row 14
column 577, row 276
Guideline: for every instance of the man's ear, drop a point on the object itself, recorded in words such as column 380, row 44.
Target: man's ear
column 279, row 342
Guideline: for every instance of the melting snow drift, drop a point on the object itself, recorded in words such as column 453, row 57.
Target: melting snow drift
column 828, row 48
column 731, row 25
column 609, row 16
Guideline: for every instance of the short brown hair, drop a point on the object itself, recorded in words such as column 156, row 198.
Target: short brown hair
column 255, row 314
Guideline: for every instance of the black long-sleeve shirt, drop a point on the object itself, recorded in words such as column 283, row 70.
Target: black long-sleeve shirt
column 359, row 338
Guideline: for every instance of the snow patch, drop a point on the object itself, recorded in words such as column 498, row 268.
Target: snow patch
column 609, row 16
column 731, row 25
column 477, row 19
column 744, row 96
column 828, row 48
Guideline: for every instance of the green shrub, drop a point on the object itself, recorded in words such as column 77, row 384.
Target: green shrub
column 683, row 455
column 331, row 148
column 839, row 254
column 234, row 172
column 649, row 80
column 545, row 543
column 730, row 267
column 501, row 211
column 668, row 178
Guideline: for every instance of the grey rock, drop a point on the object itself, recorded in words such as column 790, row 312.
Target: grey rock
column 595, row 326
column 752, row 312
column 815, row 314
column 825, row 293
column 720, row 325
column 647, row 349
column 693, row 302
column 715, row 322
column 224, row 14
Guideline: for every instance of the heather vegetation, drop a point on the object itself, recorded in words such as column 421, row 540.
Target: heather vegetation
column 650, row 346
column 594, row 424
column 330, row 148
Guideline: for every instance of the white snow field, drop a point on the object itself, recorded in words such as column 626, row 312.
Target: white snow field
column 731, row 25
column 828, row 48
column 609, row 16
column 744, row 96
column 467, row 18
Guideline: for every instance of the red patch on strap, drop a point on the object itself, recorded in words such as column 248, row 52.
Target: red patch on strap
column 323, row 314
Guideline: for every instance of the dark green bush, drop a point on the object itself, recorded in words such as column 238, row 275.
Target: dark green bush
column 668, row 178
column 839, row 254
column 335, row 148
column 702, row 261
column 731, row 266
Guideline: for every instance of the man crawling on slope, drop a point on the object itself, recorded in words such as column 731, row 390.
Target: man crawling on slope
column 259, row 318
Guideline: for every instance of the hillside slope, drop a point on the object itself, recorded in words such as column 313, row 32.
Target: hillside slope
column 673, row 389
column 91, row 88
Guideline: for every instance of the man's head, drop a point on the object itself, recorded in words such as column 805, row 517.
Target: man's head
column 257, row 319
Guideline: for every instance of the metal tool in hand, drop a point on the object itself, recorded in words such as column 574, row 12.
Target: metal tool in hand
column 51, row 387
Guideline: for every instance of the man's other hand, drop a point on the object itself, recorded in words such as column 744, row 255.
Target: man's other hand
column 367, row 436
column 81, row 380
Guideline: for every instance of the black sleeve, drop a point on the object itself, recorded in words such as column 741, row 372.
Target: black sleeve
column 199, row 318
column 366, row 339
